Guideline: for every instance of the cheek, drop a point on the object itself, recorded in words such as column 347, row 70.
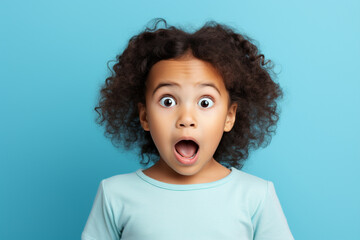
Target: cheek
column 159, row 117
column 212, row 134
column 159, row 127
column 213, row 128
column 214, row 118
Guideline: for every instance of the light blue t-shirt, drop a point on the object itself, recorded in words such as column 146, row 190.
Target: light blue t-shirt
column 134, row 206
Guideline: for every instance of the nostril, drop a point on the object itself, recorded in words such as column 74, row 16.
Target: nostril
column 184, row 125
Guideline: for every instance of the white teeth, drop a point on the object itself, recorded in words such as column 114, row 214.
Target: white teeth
column 190, row 157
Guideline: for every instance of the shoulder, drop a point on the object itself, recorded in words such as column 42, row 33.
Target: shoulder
column 115, row 186
column 251, row 189
column 249, row 181
column 119, row 179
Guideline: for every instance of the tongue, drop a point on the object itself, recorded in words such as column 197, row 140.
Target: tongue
column 186, row 148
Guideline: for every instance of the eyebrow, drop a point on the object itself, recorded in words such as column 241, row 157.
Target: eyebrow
column 172, row 84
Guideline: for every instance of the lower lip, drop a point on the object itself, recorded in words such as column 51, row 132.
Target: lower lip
column 186, row 161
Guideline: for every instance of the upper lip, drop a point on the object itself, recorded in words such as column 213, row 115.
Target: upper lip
column 187, row 138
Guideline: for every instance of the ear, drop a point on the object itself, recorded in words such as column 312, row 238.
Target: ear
column 142, row 116
column 230, row 118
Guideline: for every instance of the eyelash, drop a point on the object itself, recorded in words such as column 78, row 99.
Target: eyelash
column 204, row 96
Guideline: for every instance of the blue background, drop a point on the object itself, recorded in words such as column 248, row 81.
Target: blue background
column 53, row 60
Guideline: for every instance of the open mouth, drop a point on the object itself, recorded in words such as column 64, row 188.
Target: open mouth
column 187, row 148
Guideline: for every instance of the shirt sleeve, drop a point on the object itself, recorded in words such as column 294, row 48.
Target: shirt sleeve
column 269, row 219
column 100, row 224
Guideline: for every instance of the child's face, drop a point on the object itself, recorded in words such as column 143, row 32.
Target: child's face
column 186, row 98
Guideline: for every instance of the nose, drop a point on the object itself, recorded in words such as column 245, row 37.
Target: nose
column 186, row 119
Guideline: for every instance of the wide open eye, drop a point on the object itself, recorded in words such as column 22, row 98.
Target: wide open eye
column 206, row 102
column 167, row 101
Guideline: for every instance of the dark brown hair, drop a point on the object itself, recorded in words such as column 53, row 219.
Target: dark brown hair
column 248, row 79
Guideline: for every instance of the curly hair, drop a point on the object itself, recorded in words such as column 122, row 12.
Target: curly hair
column 248, row 79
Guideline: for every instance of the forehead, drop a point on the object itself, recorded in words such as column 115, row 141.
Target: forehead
column 188, row 70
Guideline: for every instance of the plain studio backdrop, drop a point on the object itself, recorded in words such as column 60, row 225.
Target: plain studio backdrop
column 53, row 59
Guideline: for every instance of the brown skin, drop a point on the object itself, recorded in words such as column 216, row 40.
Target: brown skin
column 186, row 117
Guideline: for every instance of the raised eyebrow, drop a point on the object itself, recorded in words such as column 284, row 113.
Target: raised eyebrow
column 210, row 85
column 165, row 84
column 171, row 84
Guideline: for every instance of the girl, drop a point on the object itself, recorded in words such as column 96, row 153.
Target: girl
column 195, row 103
